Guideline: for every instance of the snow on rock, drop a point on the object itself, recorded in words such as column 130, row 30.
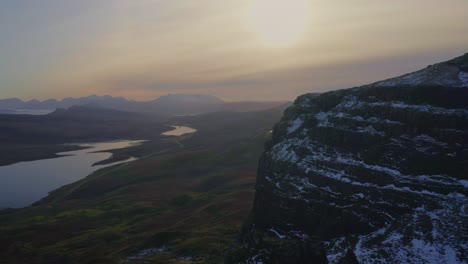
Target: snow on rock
column 439, row 74
column 434, row 243
column 376, row 170
column 463, row 76
column 419, row 108
column 295, row 125
column 277, row 234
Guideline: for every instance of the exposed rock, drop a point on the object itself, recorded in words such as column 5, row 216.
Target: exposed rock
column 272, row 247
column 349, row 258
column 380, row 169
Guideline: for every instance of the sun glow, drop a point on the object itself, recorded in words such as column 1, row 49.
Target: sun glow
column 279, row 23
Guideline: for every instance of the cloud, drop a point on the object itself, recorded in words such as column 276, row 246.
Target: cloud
column 288, row 83
column 73, row 48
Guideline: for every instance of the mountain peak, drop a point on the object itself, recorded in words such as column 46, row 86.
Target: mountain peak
column 453, row 73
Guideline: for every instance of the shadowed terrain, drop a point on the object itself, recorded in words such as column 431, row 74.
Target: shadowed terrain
column 186, row 201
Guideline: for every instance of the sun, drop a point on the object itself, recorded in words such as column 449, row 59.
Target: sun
column 279, row 23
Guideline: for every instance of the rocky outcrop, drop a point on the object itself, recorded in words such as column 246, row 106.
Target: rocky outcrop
column 269, row 246
column 378, row 173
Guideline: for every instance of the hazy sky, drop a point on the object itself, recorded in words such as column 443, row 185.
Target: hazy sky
column 235, row 49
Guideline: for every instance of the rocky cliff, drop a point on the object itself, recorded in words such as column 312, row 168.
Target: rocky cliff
column 375, row 174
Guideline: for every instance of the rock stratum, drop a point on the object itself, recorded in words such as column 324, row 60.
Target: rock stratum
column 373, row 174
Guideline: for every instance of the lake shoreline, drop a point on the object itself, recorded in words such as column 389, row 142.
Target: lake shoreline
column 15, row 153
column 46, row 175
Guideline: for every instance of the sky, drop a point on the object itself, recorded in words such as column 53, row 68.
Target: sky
column 234, row 49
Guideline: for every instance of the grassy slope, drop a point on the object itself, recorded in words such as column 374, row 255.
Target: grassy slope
column 191, row 200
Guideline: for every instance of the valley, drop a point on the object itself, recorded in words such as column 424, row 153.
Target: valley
column 188, row 199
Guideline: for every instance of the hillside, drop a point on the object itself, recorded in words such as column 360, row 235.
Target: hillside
column 183, row 202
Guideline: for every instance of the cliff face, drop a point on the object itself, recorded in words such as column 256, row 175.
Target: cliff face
column 380, row 171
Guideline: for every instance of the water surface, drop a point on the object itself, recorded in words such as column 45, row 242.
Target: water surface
column 24, row 183
column 179, row 131
column 26, row 111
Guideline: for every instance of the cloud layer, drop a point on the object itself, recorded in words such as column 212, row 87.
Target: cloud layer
column 147, row 48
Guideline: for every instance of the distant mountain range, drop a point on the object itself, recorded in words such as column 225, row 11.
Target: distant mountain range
column 172, row 104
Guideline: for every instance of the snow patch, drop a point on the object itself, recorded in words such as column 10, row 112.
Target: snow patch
column 439, row 74
column 360, row 195
column 419, row 108
column 296, row 123
column 463, row 76
column 324, row 121
column 277, row 234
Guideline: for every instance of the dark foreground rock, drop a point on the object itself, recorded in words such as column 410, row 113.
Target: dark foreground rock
column 378, row 174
